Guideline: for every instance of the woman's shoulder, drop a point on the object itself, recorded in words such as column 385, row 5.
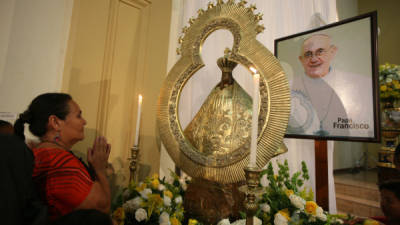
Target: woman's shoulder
column 50, row 152
column 55, row 157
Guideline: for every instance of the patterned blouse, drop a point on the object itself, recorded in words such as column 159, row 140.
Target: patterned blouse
column 62, row 180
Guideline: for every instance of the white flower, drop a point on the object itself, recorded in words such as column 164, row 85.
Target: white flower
column 169, row 180
column 280, row 219
column 295, row 218
column 137, row 202
column 256, row 221
column 178, row 200
column 164, row 218
column 145, row 193
column 320, row 214
column 140, row 215
column 297, row 201
column 339, row 220
column 264, row 181
column 161, row 187
column 224, row 222
column 182, row 181
column 132, row 204
column 265, row 207
column 167, row 201
column 319, row 210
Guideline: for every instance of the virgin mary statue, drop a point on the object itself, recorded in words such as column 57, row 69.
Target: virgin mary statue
column 223, row 122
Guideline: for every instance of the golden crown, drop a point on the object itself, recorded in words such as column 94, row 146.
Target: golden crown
column 225, row 64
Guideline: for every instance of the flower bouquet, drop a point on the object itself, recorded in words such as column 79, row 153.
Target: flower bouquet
column 389, row 82
column 153, row 201
column 286, row 202
column 157, row 201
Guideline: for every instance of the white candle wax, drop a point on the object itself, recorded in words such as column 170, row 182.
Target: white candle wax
column 138, row 120
column 254, row 120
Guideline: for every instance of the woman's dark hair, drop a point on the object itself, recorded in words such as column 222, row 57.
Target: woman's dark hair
column 38, row 113
column 391, row 185
column 396, row 159
column 6, row 127
column 4, row 123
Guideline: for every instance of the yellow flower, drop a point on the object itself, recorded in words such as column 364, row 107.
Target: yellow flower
column 141, row 187
column 370, row 222
column 192, row 222
column 311, row 207
column 155, row 176
column 155, row 183
column 156, row 198
column 168, row 193
column 383, row 87
column 174, row 221
column 154, row 203
column 119, row 215
column 285, row 213
column 289, row 192
column 275, row 177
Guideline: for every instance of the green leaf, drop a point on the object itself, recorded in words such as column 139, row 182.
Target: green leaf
column 242, row 215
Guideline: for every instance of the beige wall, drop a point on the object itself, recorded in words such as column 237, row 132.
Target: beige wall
column 118, row 49
column 346, row 8
column 33, row 40
column 156, row 70
column 388, row 42
column 389, row 25
column 83, row 63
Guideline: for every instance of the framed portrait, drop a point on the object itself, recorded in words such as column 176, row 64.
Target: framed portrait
column 333, row 78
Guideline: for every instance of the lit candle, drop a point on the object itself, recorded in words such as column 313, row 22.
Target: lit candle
column 254, row 118
column 138, row 120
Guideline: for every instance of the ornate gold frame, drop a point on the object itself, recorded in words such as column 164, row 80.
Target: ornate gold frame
column 274, row 92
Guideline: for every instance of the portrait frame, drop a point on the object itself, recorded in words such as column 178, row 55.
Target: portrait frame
column 348, row 109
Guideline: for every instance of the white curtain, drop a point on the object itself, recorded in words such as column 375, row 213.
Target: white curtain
column 280, row 18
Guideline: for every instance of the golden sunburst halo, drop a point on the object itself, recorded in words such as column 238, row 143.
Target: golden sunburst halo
column 274, row 91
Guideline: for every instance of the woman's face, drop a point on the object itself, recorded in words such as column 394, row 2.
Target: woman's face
column 72, row 128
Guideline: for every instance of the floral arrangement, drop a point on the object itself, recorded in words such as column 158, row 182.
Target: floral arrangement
column 285, row 201
column 153, row 201
column 389, row 81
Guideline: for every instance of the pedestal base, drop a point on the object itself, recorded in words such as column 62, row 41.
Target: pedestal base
column 209, row 202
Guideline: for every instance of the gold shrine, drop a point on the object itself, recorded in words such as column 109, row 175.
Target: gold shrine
column 274, row 105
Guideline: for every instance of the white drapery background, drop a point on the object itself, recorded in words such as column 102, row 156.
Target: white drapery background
column 280, row 18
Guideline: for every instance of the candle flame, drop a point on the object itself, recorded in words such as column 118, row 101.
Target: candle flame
column 253, row 69
column 140, row 98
